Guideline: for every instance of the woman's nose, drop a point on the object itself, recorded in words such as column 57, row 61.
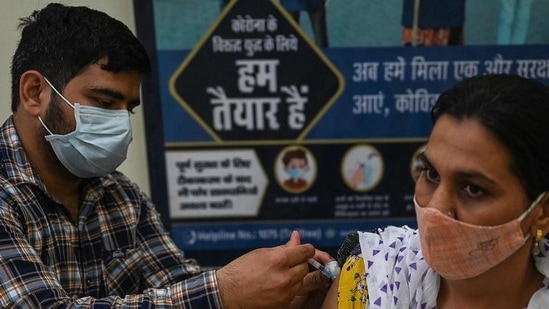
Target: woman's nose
column 440, row 199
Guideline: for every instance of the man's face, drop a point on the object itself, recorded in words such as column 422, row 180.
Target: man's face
column 57, row 121
column 296, row 163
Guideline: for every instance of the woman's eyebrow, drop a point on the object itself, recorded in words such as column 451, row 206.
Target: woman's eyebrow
column 423, row 158
column 465, row 174
column 476, row 176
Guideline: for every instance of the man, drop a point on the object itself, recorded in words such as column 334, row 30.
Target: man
column 76, row 233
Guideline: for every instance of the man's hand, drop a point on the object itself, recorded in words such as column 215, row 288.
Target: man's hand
column 267, row 277
column 315, row 284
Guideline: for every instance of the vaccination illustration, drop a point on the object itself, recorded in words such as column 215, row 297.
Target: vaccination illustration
column 362, row 168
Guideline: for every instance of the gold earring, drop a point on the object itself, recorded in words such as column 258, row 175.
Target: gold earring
column 535, row 248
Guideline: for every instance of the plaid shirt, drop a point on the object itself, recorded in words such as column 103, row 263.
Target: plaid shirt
column 117, row 255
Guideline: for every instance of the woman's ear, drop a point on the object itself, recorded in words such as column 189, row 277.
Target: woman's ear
column 34, row 94
column 541, row 220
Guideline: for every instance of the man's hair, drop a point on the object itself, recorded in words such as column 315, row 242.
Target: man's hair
column 61, row 41
column 515, row 110
column 294, row 154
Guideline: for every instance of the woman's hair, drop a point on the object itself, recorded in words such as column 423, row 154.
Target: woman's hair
column 61, row 41
column 515, row 110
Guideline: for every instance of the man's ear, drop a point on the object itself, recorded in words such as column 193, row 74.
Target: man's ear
column 34, row 93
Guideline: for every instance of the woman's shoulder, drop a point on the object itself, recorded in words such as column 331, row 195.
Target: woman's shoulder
column 350, row 246
column 380, row 236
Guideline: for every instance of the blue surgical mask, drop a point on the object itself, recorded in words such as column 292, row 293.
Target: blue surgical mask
column 98, row 145
column 294, row 173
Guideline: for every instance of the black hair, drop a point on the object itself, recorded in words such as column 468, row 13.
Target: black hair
column 61, row 41
column 294, row 154
column 516, row 112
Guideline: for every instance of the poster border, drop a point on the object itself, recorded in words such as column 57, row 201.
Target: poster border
column 152, row 113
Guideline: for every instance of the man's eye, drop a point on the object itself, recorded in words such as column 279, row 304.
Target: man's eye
column 103, row 104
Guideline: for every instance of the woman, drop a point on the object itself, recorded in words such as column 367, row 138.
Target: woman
column 481, row 209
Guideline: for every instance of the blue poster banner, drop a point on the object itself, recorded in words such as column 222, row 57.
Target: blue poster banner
column 271, row 125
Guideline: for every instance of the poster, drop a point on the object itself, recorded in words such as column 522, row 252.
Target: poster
column 273, row 116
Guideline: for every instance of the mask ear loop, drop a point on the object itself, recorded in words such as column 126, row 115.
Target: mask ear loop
column 44, row 125
column 534, row 203
column 61, row 96
column 58, row 93
column 539, row 236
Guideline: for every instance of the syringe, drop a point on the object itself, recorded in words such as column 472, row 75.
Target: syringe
column 330, row 270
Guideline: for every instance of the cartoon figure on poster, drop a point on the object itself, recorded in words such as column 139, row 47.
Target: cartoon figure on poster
column 295, row 169
column 362, row 168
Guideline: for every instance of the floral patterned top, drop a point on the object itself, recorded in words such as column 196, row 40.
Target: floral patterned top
column 352, row 289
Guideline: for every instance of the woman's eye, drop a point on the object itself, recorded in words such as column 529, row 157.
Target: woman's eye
column 473, row 190
column 430, row 174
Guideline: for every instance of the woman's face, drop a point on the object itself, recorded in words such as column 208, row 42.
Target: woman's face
column 467, row 172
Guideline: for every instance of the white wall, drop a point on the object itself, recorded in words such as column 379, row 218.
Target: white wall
column 135, row 166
